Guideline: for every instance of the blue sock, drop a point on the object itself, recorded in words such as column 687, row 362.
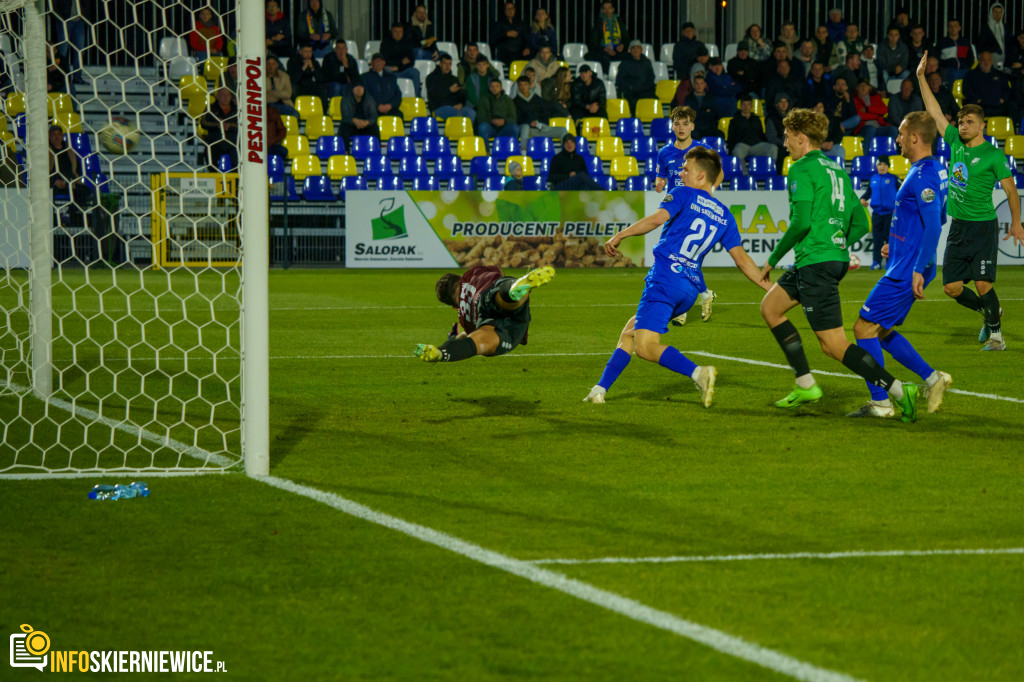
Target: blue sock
column 616, row 363
column 874, row 348
column 677, row 362
column 902, row 352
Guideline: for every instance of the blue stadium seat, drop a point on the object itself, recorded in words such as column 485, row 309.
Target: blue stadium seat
column 462, row 183
column 629, row 129
column 413, row 167
column 638, row 183
column 542, row 166
column 993, row 140
column 661, row 129
column 425, row 182
column 423, row 127
column 941, row 148
column 19, row 126
column 863, row 167
column 364, row 146
column 377, row 167
column 102, row 182
column 645, row 150
column 505, row 147
column 317, row 188
column 391, row 182
column 732, row 167
column 716, row 143
column 91, row 164
column 81, row 143
column 493, row 183
column 224, row 163
column 484, row 167
column 436, row 147
column 761, row 166
column 594, row 167
column 583, row 146
column 330, row 145
column 881, row 146
column 535, row 183
column 448, row 167
column 742, row 183
column 540, row 148
column 275, row 168
column 401, row 148
column 607, row 183
column 351, row 182
column 857, row 183
column 775, row 183
column 288, row 190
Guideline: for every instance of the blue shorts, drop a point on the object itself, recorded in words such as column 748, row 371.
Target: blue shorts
column 889, row 302
column 660, row 303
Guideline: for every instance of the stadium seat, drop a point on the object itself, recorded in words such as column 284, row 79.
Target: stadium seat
column 991, row 139
column 899, row 166
column 609, row 148
column 410, row 167
column 786, row 163
column 457, row 127
column 607, row 183
column 422, row 183
column 287, row 190
column 730, row 52
column 334, row 108
column 665, row 90
column 364, row 146
column 453, row 49
column 516, row 68
column 661, row 129
column 723, row 125
column 213, row 67
column 317, row 127
column 665, row 55
column 880, row 145
column 59, row 103
column 401, row 148
column 743, row 183
column 275, row 168
column 224, row 163
column 525, row 161
column 493, row 183
column 775, row 183
column 623, row 167
column 317, row 188
column 304, row 166
column 423, row 127
column 617, row 108
column 958, row 92
column 471, row 147
column 504, row 147
column 574, row 53
column 535, row 183
column 390, row 182
column 436, row 147
column 760, row 166
column 406, row 87
column 645, row 149
column 70, row 122
column 390, row 126
column 857, row 183
column 853, row 146
column 629, row 129
column 412, row 107
column 353, row 49
column 1011, row 163
column 716, row 143
column 80, row 142
column 731, row 166
column 595, row 169
column 863, row 167
column 447, row 167
column 941, row 148
column 758, row 107
column 583, row 146
column 462, row 183
column 291, row 125
column 595, row 128
column 309, row 107
column 377, row 167
column 372, row 46
column 330, row 145
column 638, row 183
column 648, row 109
column 712, row 50
column 660, row 72
column 562, row 122
column 15, row 102
column 424, row 66
column 484, row 167
column 342, row 166
column 540, row 148
column 1015, row 146
column 297, row 145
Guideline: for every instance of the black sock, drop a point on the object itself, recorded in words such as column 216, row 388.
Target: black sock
column 789, row 338
column 861, row 362
column 457, row 349
column 990, row 304
column 969, row 299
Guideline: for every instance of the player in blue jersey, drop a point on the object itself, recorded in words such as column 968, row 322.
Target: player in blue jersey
column 693, row 223
column 920, row 212
column 670, row 165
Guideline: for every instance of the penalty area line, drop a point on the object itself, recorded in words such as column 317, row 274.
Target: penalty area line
column 856, row 554
column 722, row 642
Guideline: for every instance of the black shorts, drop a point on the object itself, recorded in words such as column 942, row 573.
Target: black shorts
column 971, row 251
column 511, row 326
column 816, row 287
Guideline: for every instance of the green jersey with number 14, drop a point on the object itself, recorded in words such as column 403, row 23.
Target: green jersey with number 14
column 817, row 179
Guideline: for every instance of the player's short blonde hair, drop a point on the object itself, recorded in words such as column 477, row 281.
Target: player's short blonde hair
column 685, row 113
column 923, row 124
column 807, row 122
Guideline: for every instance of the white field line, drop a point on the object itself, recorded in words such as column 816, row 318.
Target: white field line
column 857, row 554
column 715, row 639
column 112, row 473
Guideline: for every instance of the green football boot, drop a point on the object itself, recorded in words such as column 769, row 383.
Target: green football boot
column 800, row 396
column 531, row 280
column 427, row 353
column 908, row 405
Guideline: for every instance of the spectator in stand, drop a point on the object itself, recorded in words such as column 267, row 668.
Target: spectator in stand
column 478, row 82
column 340, row 70
column 514, row 183
column 932, row 66
column 774, row 131
column 903, row 103
column 317, row 27
column 542, row 32
column 759, row 48
column 987, row 88
column 306, row 75
column 65, row 170
column 902, row 24
column 746, row 134
column 836, row 25
column 817, row 86
column 840, row 106
column 744, row 69
column 588, row 95
column 893, row 57
column 532, row 114
column 881, row 196
column 700, row 64
column 279, row 33
column 706, row 123
column 382, row 88
column 399, row 57
column 723, row 88
column 279, row 89
column 823, row 46
column 943, row 96
column 831, row 146
column 770, row 66
column 545, row 64
column 608, row 38
column 872, row 112
column 783, row 81
column 445, row 96
column 276, row 132
column 956, row 54
column 1015, row 67
column 535, row 86
column 635, row 79
column 70, row 24
column 56, row 78
column 568, row 170
column 508, row 37
column 423, row 34
column 870, row 65
column 467, row 66
column 557, row 91
column 496, row 115
column 684, row 54
column 852, row 71
column 994, row 37
column 805, row 56
column 917, row 45
column 358, row 115
column 851, row 43
column 789, row 38
column 206, row 39
column 229, row 76
column 221, row 125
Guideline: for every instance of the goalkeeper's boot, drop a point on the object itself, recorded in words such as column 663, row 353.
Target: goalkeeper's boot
column 596, row 395
column 531, row 280
column 908, row 405
column 427, row 352
column 873, row 409
column 935, row 392
column 994, row 344
column 705, row 305
column 800, row 396
column 679, row 320
column 985, row 331
column 706, row 383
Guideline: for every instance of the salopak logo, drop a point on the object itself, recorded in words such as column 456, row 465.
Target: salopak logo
column 391, row 223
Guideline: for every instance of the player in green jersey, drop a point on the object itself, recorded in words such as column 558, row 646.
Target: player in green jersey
column 825, row 218
column 972, row 246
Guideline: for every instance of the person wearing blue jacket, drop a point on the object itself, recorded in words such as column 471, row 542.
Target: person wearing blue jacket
column 881, row 196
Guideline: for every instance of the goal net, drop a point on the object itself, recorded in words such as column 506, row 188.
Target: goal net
column 123, row 236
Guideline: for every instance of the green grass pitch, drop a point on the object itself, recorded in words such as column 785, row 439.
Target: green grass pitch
column 502, row 453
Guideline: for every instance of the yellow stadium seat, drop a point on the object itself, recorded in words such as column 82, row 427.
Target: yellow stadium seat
column 617, row 108
column 297, row 145
column 59, row 103
column 648, row 109
column 15, row 103
column 291, row 125
column 958, row 92
column 334, row 110
column 899, row 165
column 304, row 166
column 390, row 126
column 623, row 167
column 319, row 127
column 309, row 107
column 853, row 146
column 563, row 64
column 7, row 137
column 561, row 122
column 594, row 128
column 609, row 148
column 1015, row 146
column 666, row 90
column 758, row 107
column 413, row 107
column 786, row 164
column 457, row 127
column 214, row 67
column 471, row 147
column 341, row 166
column 999, row 126
column 723, row 125
column 69, row 122
column 525, row 161
column 516, row 68
column 3, row 124
column 190, row 86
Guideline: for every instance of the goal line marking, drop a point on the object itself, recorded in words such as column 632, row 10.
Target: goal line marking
column 856, row 554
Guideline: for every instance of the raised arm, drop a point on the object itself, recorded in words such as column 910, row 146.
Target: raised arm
column 931, row 104
column 643, row 226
